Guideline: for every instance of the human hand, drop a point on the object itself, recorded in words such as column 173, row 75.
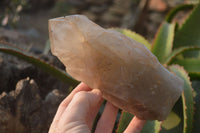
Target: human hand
column 77, row 112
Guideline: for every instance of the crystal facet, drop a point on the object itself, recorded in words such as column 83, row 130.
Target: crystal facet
column 126, row 72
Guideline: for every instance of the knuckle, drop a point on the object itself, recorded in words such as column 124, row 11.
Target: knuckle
column 81, row 95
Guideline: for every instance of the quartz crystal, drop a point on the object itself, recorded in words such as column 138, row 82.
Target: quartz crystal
column 127, row 73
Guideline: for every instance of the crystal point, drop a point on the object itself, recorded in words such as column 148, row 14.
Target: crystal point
column 126, row 72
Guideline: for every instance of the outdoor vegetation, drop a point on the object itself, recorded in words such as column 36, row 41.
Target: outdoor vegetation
column 176, row 44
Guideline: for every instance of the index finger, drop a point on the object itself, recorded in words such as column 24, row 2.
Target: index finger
column 81, row 87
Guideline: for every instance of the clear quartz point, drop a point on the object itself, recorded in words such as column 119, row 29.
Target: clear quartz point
column 126, row 72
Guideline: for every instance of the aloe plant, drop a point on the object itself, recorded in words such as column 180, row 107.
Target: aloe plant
column 12, row 50
column 177, row 48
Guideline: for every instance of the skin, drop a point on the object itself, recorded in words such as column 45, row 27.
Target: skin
column 77, row 112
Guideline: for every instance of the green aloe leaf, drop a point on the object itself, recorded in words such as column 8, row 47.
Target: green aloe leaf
column 125, row 119
column 187, row 98
column 177, row 9
column 174, row 122
column 179, row 51
column 163, row 42
column 9, row 49
column 189, row 64
column 189, row 33
column 151, row 127
column 135, row 36
column 196, row 86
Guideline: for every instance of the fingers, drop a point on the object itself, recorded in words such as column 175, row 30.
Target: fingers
column 82, row 103
column 107, row 120
column 93, row 111
column 80, row 87
column 135, row 126
column 66, row 101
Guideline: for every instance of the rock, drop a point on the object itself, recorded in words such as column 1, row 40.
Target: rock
column 126, row 72
column 23, row 110
column 33, row 112
column 7, row 101
column 55, row 97
column 8, row 122
column 28, row 104
column 14, row 69
column 52, row 101
column 9, row 74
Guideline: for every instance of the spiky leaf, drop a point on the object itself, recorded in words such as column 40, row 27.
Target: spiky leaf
column 179, row 51
column 9, row 49
column 163, row 41
column 151, row 127
column 189, row 33
column 174, row 122
column 187, row 98
column 124, row 121
column 189, row 64
column 196, row 86
column 177, row 9
column 135, row 36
